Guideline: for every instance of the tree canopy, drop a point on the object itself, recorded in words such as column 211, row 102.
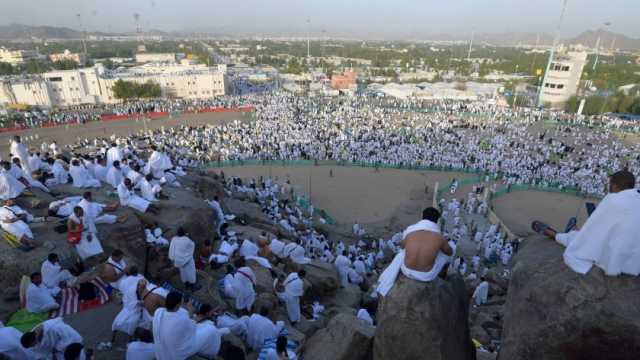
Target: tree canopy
column 126, row 90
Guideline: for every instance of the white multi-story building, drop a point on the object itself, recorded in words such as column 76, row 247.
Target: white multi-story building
column 144, row 57
column 16, row 57
column 563, row 78
column 94, row 85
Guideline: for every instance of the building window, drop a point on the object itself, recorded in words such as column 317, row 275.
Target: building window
column 560, row 86
column 56, row 79
column 546, row 85
column 565, row 68
column 553, row 86
column 73, row 78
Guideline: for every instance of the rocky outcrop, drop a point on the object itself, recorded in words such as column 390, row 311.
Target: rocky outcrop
column 418, row 320
column 323, row 278
column 349, row 296
column 554, row 313
column 345, row 338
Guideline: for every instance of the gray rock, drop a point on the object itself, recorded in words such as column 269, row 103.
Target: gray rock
column 478, row 333
column 323, row 278
column 554, row 313
column 264, row 280
column 345, row 338
column 417, row 320
column 349, row 296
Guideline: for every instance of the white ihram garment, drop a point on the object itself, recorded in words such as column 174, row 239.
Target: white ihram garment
column 181, row 251
column 293, row 290
column 174, row 334
column 243, row 285
column 18, row 228
column 389, row 275
column 128, row 198
column 609, row 237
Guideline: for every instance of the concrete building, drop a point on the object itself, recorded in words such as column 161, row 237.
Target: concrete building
column 561, row 82
column 94, row 85
column 79, row 58
column 144, row 57
column 16, row 57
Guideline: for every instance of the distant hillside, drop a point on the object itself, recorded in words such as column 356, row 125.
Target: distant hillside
column 590, row 37
column 18, row 31
column 25, row 32
column 587, row 38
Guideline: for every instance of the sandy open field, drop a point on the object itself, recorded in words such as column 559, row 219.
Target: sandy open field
column 392, row 199
column 70, row 134
column 519, row 208
column 388, row 197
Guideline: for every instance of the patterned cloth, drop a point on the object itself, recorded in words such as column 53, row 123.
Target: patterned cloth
column 70, row 302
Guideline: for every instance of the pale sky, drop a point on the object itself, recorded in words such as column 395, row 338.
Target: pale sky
column 367, row 18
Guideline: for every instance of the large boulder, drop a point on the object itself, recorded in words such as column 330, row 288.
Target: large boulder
column 323, row 278
column 554, row 313
column 264, row 280
column 345, row 338
column 251, row 212
column 206, row 186
column 349, row 296
column 418, row 320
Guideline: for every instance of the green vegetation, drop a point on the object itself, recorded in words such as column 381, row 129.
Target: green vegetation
column 594, row 105
column 296, row 67
column 64, row 65
column 611, row 72
column 6, row 68
column 127, row 90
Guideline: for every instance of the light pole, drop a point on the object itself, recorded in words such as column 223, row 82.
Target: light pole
column 595, row 63
column 553, row 51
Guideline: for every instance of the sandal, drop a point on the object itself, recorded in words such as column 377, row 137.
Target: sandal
column 570, row 224
column 540, row 227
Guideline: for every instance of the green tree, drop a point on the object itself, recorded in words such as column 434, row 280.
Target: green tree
column 149, row 89
column 108, row 64
column 572, row 104
column 66, row 64
column 6, row 68
column 123, row 90
column 35, row 67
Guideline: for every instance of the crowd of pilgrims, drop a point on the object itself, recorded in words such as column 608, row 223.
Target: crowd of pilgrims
column 487, row 139
column 81, row 114
column 163, row 325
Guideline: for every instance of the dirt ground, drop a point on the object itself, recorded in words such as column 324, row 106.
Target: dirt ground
column 70, row 134
column 387, row 198
column 392, row 199
column 519, row 208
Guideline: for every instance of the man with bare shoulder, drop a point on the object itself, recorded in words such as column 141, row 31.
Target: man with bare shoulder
column 426, row 250
column 424, row 254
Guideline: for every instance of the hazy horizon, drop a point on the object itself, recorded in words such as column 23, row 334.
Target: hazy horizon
column 358, row 18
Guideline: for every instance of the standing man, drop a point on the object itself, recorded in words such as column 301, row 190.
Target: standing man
column 481, row 293
column 174, row 333
column 19, row 150
column 292, row 288
column 181, row 252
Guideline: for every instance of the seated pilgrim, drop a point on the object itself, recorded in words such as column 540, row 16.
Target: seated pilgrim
column 424, row 255
column 609, row 237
